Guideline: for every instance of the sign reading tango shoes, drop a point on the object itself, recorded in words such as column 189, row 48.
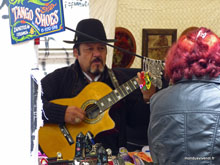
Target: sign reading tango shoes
column 30, row 19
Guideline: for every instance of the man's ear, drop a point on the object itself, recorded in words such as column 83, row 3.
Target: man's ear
column 75, row 53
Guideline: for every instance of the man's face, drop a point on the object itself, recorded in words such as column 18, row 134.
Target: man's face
column 91, row 57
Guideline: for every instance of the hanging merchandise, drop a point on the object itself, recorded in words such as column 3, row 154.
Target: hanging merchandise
column 155, row 68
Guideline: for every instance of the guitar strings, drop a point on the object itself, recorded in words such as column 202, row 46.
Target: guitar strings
column 93, row 107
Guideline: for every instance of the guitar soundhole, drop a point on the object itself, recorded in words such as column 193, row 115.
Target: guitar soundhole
column 92, row 111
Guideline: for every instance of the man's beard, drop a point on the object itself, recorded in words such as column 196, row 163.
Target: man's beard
column 97, row 69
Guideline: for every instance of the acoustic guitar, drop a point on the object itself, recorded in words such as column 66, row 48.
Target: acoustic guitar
column 95, row 99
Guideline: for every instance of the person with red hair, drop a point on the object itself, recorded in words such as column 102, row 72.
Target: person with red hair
column 197, row 54
column 185, row 117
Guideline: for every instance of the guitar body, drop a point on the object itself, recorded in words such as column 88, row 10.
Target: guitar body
column 52, row 140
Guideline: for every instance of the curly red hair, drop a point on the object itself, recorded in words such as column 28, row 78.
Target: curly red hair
column 195, row 54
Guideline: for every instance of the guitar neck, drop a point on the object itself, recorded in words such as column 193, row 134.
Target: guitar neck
column 117, row 94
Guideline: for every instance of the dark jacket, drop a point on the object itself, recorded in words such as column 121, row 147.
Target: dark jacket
column 185, row 123
column 67, row 82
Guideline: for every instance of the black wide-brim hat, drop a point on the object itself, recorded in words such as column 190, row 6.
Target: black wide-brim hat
column 94, row 32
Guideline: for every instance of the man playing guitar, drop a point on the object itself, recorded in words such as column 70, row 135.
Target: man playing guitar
column 90, row 68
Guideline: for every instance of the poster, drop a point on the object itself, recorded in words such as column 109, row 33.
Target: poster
column 30, row 19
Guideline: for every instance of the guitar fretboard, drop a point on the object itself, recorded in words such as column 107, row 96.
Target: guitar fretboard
column 117, row 94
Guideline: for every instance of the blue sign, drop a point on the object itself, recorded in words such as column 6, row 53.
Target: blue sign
column 30, row 19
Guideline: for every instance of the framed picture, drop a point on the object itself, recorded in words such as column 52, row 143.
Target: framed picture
column 125, row 40
column 156, row 42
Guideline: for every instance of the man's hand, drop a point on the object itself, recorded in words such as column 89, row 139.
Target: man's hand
column 146, row 93
column 74, row 115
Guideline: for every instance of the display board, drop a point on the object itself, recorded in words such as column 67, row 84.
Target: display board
column 30, row 19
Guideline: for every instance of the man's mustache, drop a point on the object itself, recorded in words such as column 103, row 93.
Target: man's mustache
column 97, row 60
